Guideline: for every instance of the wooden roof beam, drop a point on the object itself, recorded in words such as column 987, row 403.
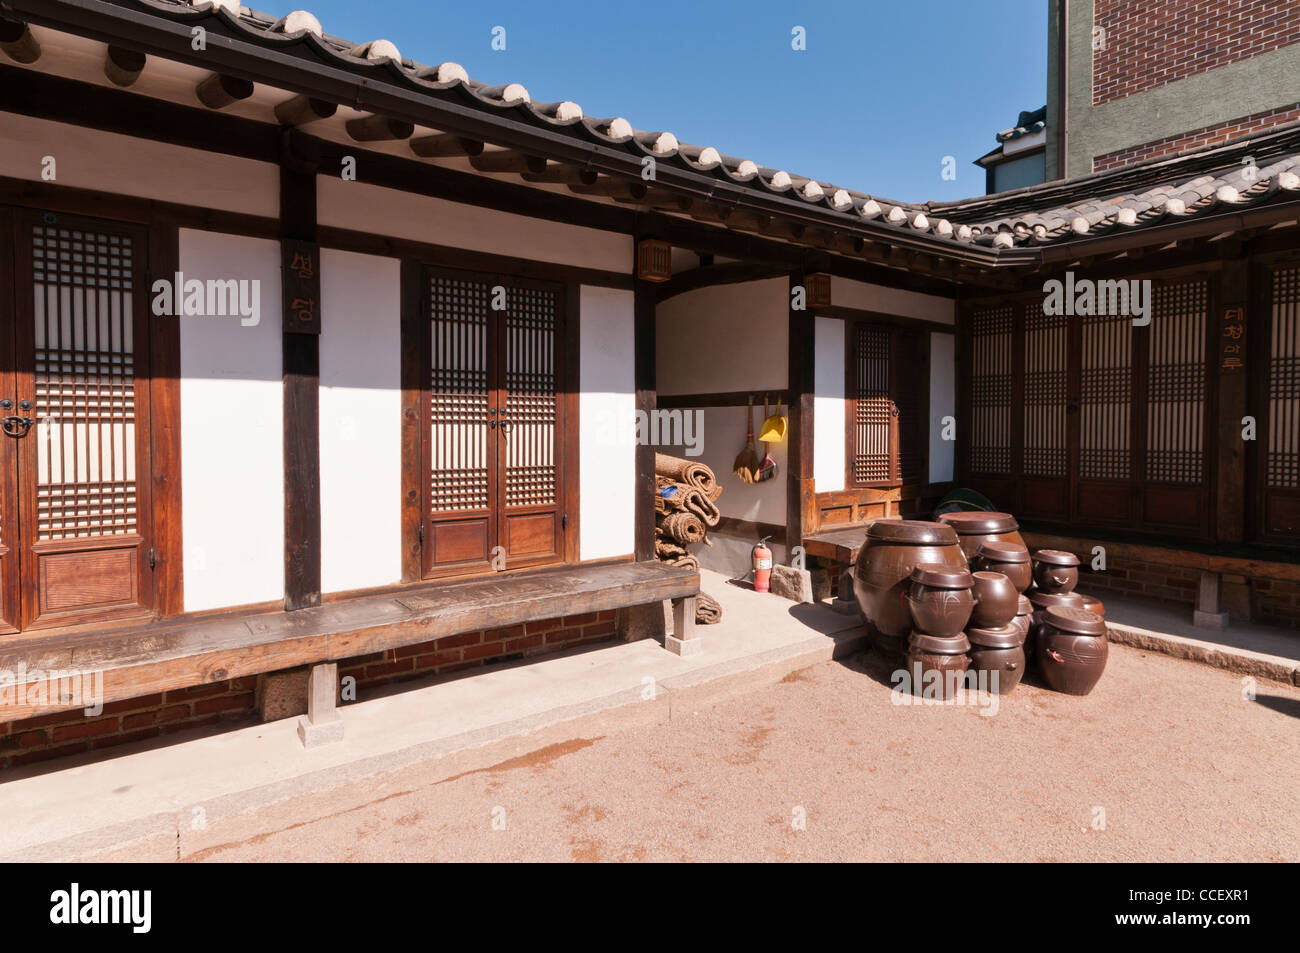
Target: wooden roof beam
column 446, row 145
column 377, row 128
column 218, row 91
column 561, row 174
column 614, row 187
column 301, row 110
column 122, row 66
column 508, row 160
column 17, row 41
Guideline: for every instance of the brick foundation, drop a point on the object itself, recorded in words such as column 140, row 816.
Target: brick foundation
column 233, row 702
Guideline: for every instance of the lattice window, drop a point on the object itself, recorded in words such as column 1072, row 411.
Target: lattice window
column 1106, row 397
column 990, row 439
column 1046, row 383
column 460, row 311
column 84, row 383
column 1176, row 384
column 531, row 385
column 1283, row 469
column 872, row 414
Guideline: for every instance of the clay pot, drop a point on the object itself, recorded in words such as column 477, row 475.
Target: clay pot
column 1024, row 615
column 946, row 657
column 1042, row 601
column 977, row 527
column 1055, row 570
column 996, row 600
column 998, row 656
column 1007, row 558
column 940, row 600
column 881, row 575
column 1072, row 649
column 1093, row 604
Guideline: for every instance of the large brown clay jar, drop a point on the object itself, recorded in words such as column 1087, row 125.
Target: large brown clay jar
column 997, row 657
column 940, row 600
column 945, row 658
column 978, row 527
column 1007, row 558
column 883, row 570
column 1042, row 601
column 996, row 600
column 1093, row 604
column 1055, row 570
column 1072, row 649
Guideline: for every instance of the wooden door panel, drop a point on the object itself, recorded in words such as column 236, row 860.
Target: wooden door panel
column 10, row 536
column 1045, row 454
column 82, row 353
column 1278, row 479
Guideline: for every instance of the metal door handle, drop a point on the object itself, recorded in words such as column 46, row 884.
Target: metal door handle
column 16, row 426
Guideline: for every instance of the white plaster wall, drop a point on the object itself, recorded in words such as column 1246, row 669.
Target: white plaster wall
column 232, row 432
column 88, row 159
column 943, row 403
column 847, row 293
column 607, row 424
column 360, row 421
column 371, row 208
column 724, row 338
column 828, row 406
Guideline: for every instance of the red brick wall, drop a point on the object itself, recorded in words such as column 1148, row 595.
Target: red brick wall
column 1149, row 44
column 71, row 732
column 1209, row 135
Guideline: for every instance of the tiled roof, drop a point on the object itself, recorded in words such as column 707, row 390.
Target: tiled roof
column 1089, row 207
column 1029, row 122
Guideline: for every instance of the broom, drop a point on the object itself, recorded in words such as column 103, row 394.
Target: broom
column 746, row 463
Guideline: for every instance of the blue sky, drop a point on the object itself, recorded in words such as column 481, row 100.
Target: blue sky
column 882, row 93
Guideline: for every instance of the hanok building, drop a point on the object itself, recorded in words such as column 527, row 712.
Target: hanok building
column 321, row 357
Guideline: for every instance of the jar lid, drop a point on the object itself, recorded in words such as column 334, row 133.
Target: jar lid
column 940, row 645
column 1075, row 621
column 1003, row 552
column 912, row 531
column 1056, row 557
column 1024, row 607
column 977, row 522
column 941, row 577
column 1045, row 599
column 1006, row 636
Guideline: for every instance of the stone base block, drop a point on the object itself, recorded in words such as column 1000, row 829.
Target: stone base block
column 282, row 694
column 1209, row 620
column 313, row 735
column 791, row 583
column 684, row 649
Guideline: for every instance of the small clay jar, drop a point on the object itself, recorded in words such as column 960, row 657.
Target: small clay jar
column 1042, row 601
column 940, row 599
column 996, row 600
column 977, row 527
column 1055, row 571
column 997, row 657
column 1024, row 615
column 1093, row 604
column 932, row 654
column 1072, row 649
column 1007, row 558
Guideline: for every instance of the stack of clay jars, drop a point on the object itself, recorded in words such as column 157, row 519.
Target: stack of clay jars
column 1069, row 629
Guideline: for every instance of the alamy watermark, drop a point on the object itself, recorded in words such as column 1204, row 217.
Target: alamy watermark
column 213, row 298
column 933, row 687
column 53, row 688
column 1107, row 297
column 654, row 428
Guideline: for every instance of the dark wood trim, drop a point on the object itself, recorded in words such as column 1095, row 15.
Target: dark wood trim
column 709, row 276
column 881, row 317
column 731, row 526
column 301, row 371
column 414, row 343
column 166, row 437
column 465, row 259
column 733, row 398
column 570, row 360
column 646, row 401
column 800, row 506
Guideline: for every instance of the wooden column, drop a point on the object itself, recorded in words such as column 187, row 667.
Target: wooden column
column 301, row 369
column 800, row 492
column 646, row 401
column 1229, row 460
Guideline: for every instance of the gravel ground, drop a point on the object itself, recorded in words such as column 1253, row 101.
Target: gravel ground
column 1182, row 765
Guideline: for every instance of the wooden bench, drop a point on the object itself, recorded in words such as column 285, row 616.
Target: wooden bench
column 162, row 656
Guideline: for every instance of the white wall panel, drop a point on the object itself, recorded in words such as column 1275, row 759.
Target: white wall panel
column 360, row 421
column 828, row 406
column 232, row 431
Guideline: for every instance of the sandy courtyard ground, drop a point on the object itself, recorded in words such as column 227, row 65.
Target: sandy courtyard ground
column 822, row 766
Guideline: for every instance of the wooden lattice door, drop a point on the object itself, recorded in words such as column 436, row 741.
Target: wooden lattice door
column 1277, row 516
column 77, row 420
column 493, row 424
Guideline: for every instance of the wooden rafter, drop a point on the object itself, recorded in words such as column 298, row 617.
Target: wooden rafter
column 17, row 41
column 376, row 128
column 218, row 90
column 508, row 160
column 301, row 110
column 446, row 144
column 122, row 66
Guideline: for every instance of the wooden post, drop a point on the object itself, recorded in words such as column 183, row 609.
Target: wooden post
column 1229, row 520
column 800, row 492
column 301, row 370
column 646, row 401
column 322, row 724
column 684, row 641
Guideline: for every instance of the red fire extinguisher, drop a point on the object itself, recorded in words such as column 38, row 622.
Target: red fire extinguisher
column 762, row 566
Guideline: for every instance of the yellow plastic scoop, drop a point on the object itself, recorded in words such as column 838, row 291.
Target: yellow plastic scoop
column 773, row 429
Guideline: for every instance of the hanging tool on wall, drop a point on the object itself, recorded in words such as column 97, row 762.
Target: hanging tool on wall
column 767, row 468
column 747, row 461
